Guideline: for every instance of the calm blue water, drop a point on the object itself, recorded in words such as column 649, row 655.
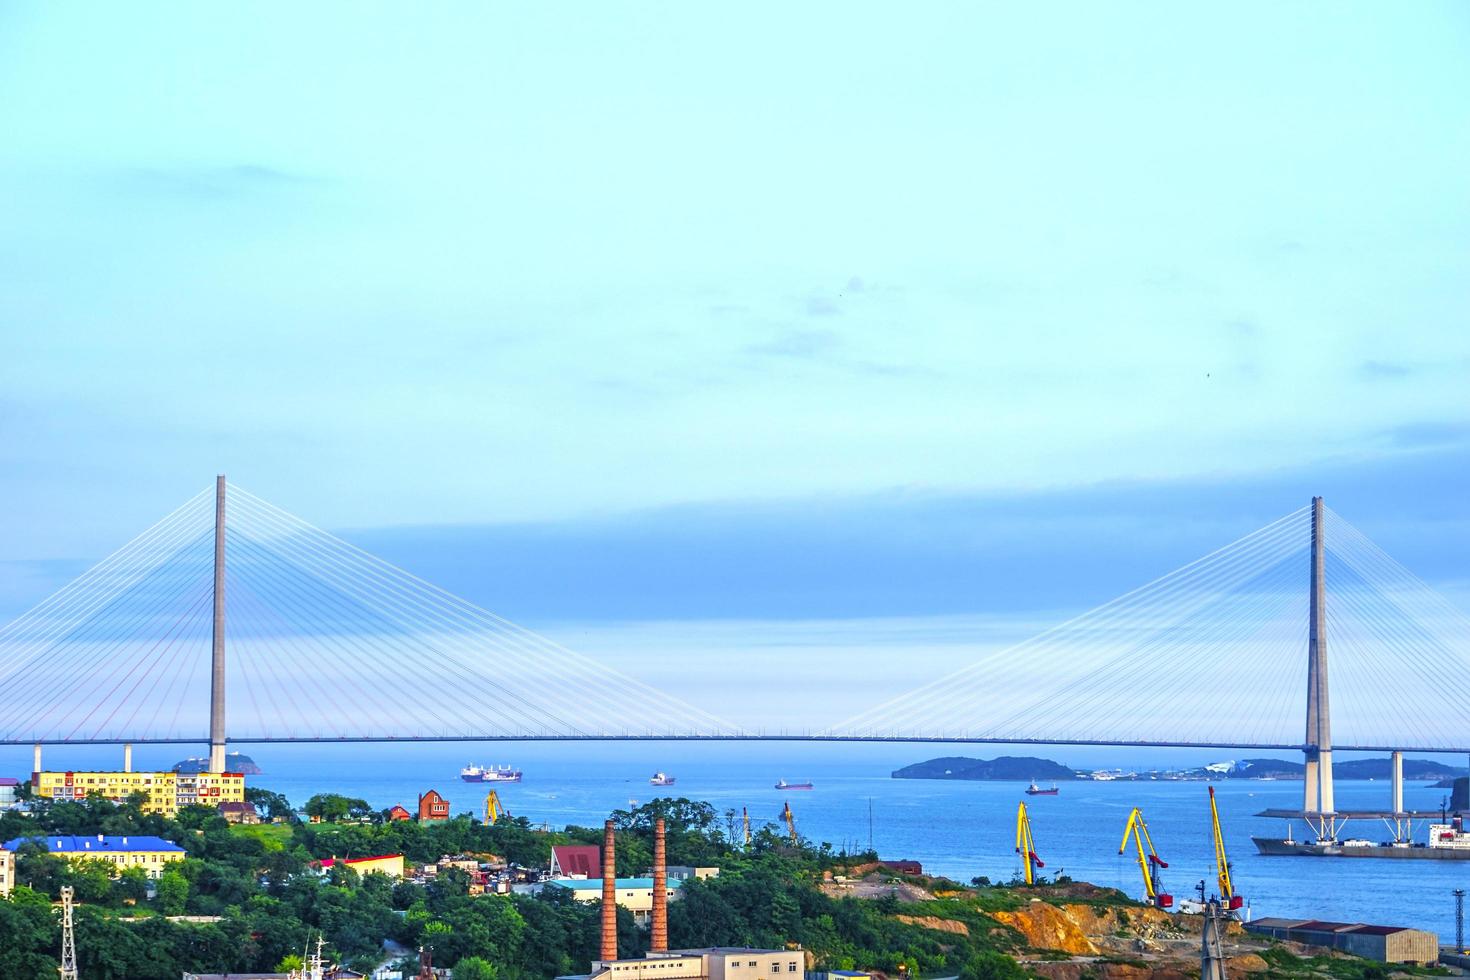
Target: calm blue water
column 955, row 828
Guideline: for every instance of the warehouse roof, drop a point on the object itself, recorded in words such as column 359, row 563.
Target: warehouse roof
column 577, row 859
column 100, row 844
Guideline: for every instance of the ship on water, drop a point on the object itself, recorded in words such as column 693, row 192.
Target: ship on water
column 783, row 784
column 662, row 778
column 1035, row 790
column 1447, row 842
column 490, row 774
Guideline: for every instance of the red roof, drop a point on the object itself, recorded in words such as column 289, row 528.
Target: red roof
column 578, row 859
column 328, row 862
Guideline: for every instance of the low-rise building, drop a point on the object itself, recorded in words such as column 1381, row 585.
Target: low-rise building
column 388, row 864
column 711, row 963
column 432, row 806
column 9, row 792
column 152, row 854
column 239, row 812
column 399, row 813
column 163, row 792
column 7, row 871
column 1386, row 944
column 633, row 894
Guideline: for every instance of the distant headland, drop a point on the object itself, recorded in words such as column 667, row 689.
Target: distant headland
column 1009, row 767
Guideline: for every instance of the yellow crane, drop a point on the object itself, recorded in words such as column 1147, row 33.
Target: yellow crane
column 790, row 819
column 1149, row 861
column 493, row 808
column 745, row 815
column 1026, row 845
column 1232, row 901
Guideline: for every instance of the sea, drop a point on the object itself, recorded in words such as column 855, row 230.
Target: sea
column 960, row 829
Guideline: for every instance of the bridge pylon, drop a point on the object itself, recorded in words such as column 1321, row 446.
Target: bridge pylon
column 1317, row 792
column 217, row 654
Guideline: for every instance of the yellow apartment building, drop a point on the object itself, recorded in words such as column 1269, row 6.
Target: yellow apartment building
column 164, row 792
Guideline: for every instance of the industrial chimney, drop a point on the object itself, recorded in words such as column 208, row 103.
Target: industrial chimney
column 609, row 894
column 659, row 940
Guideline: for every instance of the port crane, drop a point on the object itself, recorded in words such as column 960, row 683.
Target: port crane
column 494, row 809
column 745, row 816
column 1149, row 861
column 790, row 819
column 1026, row 845
column 1228, row 897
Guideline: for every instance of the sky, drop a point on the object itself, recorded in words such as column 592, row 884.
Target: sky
column 669, row 313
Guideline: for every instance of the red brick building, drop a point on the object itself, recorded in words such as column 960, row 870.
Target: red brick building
column 432, row 806
column 399, row 813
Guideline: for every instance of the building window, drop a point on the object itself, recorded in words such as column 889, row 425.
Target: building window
column 791, row 967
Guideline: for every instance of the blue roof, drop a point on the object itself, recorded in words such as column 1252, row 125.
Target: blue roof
column 595, row 884
column 96, row 844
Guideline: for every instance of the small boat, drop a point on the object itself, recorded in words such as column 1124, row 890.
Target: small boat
column 662, row 779
column 783, row 784
column 490, row 774
column 1034, row 790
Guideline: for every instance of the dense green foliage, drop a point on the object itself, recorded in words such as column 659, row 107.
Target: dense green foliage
column 263, row 901
column 259, row 901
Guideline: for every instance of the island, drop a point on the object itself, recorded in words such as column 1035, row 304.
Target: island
column 1007, row 767
column 234, row 762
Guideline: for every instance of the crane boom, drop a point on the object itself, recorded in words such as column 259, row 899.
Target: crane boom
column 790, row 819
column 1026, row 844
column 1222, row 863
column 1149, row 861
column 745, row 815
column 493, row 808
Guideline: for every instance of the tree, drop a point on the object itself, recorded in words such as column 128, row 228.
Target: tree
column 173, row 893
column 334, row 807
column 475, row 968
column 275, row 805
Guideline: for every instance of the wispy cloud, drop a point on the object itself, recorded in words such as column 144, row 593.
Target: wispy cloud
column 798, row 344
column 206, row 182
column 1384, row 370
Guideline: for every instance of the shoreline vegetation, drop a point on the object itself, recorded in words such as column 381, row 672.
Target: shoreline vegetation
column 249, row 898
column 1013, row 768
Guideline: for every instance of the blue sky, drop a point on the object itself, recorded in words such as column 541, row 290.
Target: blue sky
column 616, row 314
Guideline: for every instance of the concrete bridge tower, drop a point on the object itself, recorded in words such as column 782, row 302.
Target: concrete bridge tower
column 217, row 657
column 1318, row 775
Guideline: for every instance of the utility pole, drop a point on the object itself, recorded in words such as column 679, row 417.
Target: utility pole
column 1460, row 921
column 1211, row 956
column 68, row 937
column 217, row 659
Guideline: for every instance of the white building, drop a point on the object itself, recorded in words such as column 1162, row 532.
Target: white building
column 713, row 963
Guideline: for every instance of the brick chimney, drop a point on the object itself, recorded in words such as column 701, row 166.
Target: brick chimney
column 609, row 894
column 659, row 940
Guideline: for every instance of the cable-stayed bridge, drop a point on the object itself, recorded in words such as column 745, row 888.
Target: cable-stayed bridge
column 232, row 620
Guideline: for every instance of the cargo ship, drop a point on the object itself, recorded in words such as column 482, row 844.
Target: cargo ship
column 490, row 774
column 1447, row 842
column 1034, row 790
column 662, row 779
column 783, row 784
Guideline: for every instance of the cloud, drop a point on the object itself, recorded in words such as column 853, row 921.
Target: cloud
column 208, row 182
column 1420, row 435
column 821, row 306
column 1384, row 370
column 798, row 344
column 916, row 553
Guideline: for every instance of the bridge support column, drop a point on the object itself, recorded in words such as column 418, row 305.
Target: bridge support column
column 36, row 759
column 217, row 657
column 1317, row 794
column 128, row 758
column 1396, row 780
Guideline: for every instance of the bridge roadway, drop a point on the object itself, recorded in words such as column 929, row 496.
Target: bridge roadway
column 750, row 737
